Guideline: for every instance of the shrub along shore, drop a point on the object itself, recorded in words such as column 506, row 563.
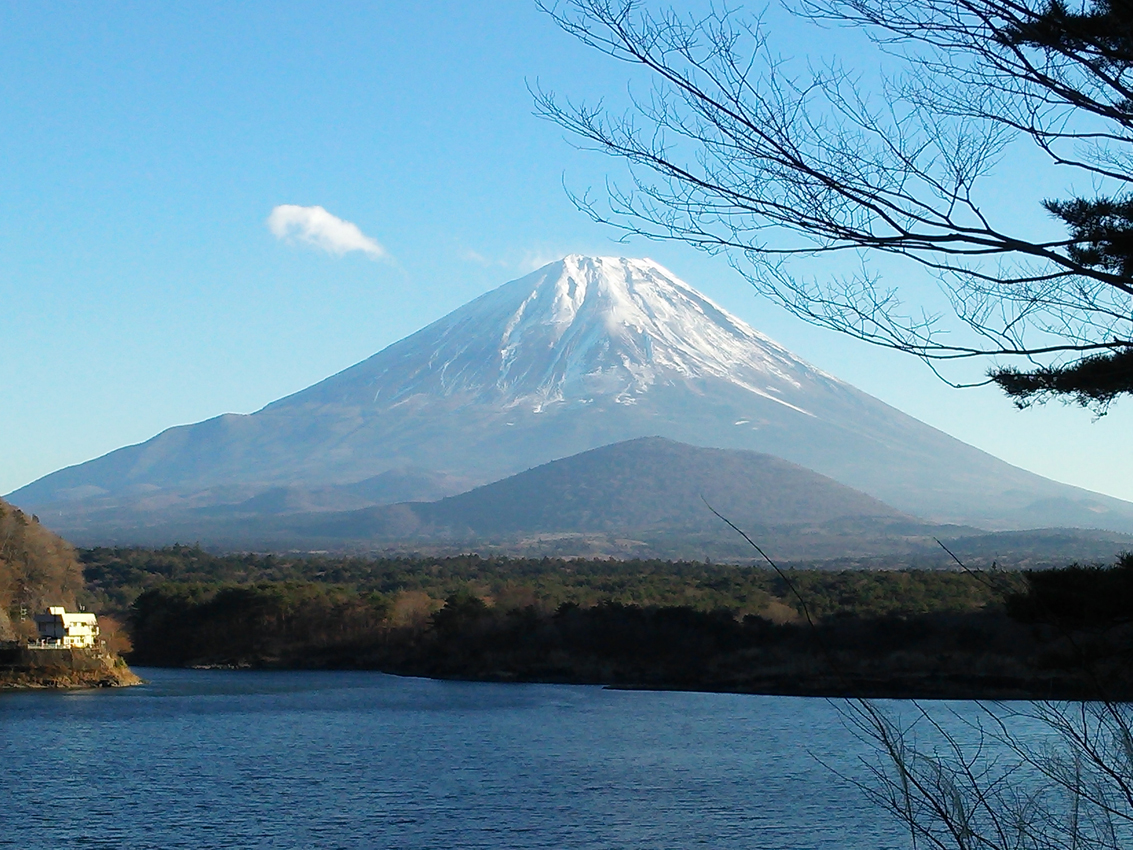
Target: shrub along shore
column 642, row 624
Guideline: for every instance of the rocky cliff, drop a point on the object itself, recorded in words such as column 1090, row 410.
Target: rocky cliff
column 21, row 667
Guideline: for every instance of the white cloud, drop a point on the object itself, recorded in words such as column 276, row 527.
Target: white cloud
column 475, row 257
column 317, row 227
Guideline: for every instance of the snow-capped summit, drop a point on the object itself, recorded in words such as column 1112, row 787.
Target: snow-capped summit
column 584, row 352
column 574, row 330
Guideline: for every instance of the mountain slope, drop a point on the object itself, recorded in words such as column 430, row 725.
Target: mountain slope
column 582, row 353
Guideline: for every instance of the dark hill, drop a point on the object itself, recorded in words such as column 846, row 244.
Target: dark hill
column 653, row 484
column 652, row 490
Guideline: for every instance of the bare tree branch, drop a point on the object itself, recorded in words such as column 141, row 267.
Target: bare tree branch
column 732, row 152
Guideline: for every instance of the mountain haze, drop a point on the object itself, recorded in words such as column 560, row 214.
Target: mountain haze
column 649, row 497
column 579, row 354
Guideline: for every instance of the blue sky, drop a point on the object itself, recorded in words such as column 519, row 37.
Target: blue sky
column 145, row 146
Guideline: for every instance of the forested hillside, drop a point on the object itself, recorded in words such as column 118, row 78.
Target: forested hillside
column 37, row 569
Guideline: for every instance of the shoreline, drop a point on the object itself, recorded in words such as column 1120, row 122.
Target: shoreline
column 27, row 668
column 991, row 688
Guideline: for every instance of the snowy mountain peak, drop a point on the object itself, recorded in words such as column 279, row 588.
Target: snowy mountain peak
column 582, row 353
column 575, row 330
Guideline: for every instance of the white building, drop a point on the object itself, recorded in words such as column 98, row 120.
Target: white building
column 67, row 630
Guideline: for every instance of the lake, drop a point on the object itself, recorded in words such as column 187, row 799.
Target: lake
column 229, row 759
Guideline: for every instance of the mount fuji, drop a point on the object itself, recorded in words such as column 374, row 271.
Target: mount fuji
column 581, row 353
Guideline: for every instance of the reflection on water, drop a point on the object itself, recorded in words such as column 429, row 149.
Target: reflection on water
column 359, row 760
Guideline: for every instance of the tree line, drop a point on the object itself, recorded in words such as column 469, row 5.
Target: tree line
column 116, row 576
column 655, row 624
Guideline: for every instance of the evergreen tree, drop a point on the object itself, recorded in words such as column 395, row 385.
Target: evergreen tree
column 1101, row 229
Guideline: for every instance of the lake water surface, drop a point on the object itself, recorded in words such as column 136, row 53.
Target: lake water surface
column 234, row 759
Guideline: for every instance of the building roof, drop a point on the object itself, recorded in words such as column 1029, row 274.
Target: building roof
column 68, row 619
